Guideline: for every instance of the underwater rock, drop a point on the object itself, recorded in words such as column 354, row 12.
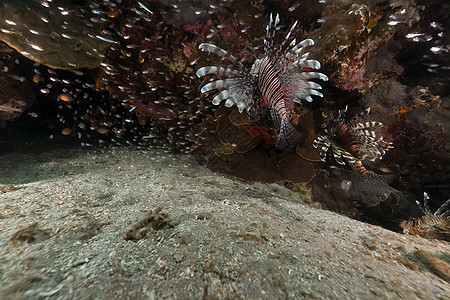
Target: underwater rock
column 346, row 192
column 61, row 35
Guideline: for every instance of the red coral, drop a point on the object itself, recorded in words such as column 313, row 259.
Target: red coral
column 255, row 131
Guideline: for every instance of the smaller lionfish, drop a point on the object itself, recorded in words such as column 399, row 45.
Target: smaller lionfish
column 275, row 82
column 430, row 225
column 351, row 142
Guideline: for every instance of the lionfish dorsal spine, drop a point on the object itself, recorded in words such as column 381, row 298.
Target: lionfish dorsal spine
column 286, row 39
column 270, row 33
column 207, row 47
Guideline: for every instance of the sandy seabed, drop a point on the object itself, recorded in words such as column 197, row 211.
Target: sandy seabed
column 96, row 224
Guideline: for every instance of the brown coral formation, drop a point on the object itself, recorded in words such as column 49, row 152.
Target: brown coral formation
column 233, row 145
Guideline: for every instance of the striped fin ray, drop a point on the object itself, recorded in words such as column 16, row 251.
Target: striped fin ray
column 222, row 84
column 238, row 95
column 237, row 89
column 325, row 146
column 443, row 210
column 340, row 155
column 298, row 89
column 223, row 95
column 218, row 71
column 310, row 63
column 270, row 33
column 283, row 43
column 293, row 77
column 312, row 75
column 207, row 47
column 370, row 143
column 355, row 117
column 353, row 143
column 299, row 86
column 367, row 125
column 425, row 208
column 299, row 47
column 296, row 49
column 323, row 143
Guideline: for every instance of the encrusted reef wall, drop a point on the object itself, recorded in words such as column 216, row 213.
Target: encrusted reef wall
column 142, row 90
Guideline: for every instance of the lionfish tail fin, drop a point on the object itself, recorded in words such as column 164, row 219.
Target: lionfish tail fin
column 288, row 137
column 373, row 179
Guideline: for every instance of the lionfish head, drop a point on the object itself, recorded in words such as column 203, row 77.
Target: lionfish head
column 254, row 71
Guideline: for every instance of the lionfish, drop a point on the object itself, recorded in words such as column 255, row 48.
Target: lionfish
column 430, row 225
column 351, row 142
column 275, row 81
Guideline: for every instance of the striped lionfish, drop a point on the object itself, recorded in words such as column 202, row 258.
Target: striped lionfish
column 276, row 81
column 351, row 142
column 430, row 225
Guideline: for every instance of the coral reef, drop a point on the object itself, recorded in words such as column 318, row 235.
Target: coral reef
column 143, row 90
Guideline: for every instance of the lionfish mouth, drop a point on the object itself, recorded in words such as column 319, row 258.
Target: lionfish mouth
column 282, row 77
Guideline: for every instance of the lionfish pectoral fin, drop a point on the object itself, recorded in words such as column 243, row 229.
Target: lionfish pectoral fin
column 288, row 137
